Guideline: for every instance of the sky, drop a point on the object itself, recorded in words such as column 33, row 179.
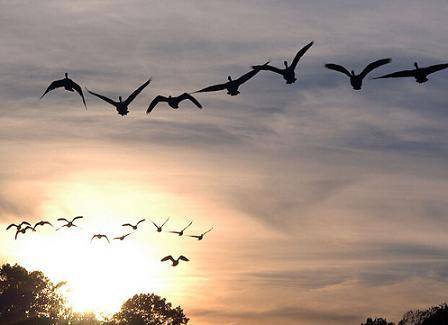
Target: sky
column 328, row 205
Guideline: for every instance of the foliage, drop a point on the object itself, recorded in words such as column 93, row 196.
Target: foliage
column 432, row 316
column 377, row 321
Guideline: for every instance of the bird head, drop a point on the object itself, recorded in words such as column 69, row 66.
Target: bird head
column 66, row 75
column 229, row 78
column 285, row 63
column 119, row 98
column 353, row 72
column 416, row 65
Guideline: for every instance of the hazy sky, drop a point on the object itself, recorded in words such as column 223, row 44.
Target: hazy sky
column 329, row 205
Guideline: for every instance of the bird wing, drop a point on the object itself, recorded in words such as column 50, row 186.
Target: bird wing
column 106, row 99
column 127, row 224
column 106, row 238
column 267, row 67
column 154, row 224
column 398, row 74
column 24, row 223
column 12, row 225
column 435, row 68
column 17, row 233
column 163, row 224
column 136, row 92
column 174, row 232
column 188, row 225
column 48, row 223
column 247, row 76
column 300, row 54
column 217, row 87
column 154, row 103
column 339, row 68
column 194, row 236
column 63, row 219
column 77, row 87
column 140, row 221
column 55, row 84
column 167, row 258
column 185, row 96
column 373, row 66
column 208, row 230
column 78, row 217
column 183, row 258
column 93, row 237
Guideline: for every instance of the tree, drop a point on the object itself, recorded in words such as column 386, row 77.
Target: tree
column 377, row 321
column 432, row 316
column 149, row 309
column 28, row 296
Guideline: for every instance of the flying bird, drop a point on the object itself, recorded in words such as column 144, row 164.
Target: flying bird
column 356, row 80
column 159, row 228
column 172, row 101
column 133, row 226
column 288, row 72
column 19, row 226
column 231, row 85
column 42, row 223
column 69, row 224
column 68, row 84
column 99, row 236
column 180, row 233
column 23, row 231
column 122, row 237
column 420, row 74
column 175, row 262
column 201, row 236
column 122, row 106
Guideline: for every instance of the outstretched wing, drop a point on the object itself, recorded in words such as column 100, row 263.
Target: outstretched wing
column 63, row 219
column 217, row 87
column 106, row 99
column 183, row 258
column 300, row 54
column 174, row 232
column 208, row 231
column 435, row 68
column 140, row 221
column 188, row 225
column 154, row 224
column 247, row 76
column 373, row 66
column 398, row 74
column 167, row 258
column 154, row 103
column 163, row 224
column 24, row 223
column 17, row 233
column 78, row 217
column 104, row 236
column 136, row 92
column 194, row 236
column 12, row 225
column 76, row 87
column 127, row 224
column 185, row 96
column 266, row 66
column 93, row 237
column 339, row 68
column 55, row 84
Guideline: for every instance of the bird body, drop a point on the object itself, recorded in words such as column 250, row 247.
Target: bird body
column 173, row 102
column 121, row 237
column 68, row 85
column 99, row 236
column 159, row 228
column 133, row 226
column 19, row 226
column 174, row 262
column 69, row 223
column 420, row 74
column 122, row 106
column 23, row 231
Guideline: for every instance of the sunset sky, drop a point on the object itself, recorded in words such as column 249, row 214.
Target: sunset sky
column 329, row 205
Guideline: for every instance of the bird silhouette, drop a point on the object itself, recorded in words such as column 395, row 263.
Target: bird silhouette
column 175, row 262
column 23, row 231
column 420, row 74
column 68, row 84
column 122, row 237
column 19, row 226
column 42, row 223
column 172, row 101
column 122, row 106
column 180, row 233
column 231, row 85
column 99, row 236
column 288, row 72
column 201, row 236
column 356, row 80
column 159, row 228
column 133, row 226
column 69, row 224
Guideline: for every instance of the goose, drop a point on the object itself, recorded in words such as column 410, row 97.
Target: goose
column 133, row 226
column 19, row 226
column 420, row 74
column 68, row 84
column 42, row 223
column 159, row 228
column 69, row 224
column 201, row 236
column 99, row 236
column 180, row 233
column 175, row 262
column 172, row 101
column 356, row 80
column 288, row 72
column 231, row 85
column 23, row 231
column 122, row 106
column 121, row 237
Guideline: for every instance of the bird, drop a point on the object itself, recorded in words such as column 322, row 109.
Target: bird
column 180, row 233
column 69, row 224
column 23, row 231
column 420, row 74
column 175, row 262
column 172, row 101
column 133, row 227
column 231, row 85
column 122, row 237
column 288, row 72
column 201, row 236
column 122, row 106
column 356, row 80
column 19, row 226
column 159, row 228
column 68, row 84
column 99, row 236
column 41, row 223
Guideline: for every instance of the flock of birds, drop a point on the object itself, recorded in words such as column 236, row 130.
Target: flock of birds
column 232, row 85
column 24, row 226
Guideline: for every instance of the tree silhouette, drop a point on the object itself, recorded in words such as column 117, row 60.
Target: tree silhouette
column 432, row 316
column 149, row 309
column 26, row 297
column 377, row 321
